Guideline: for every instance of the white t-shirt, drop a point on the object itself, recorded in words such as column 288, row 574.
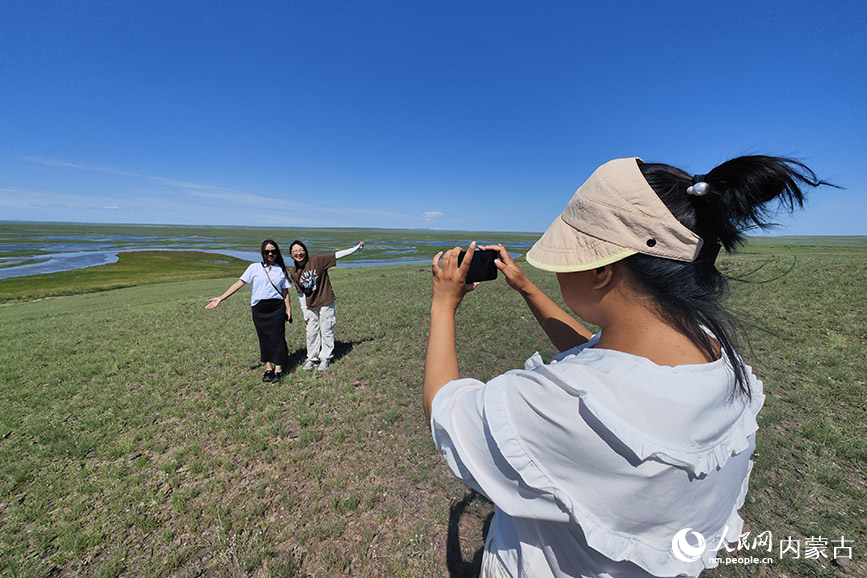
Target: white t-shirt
column 260, row 287
column 598, row 460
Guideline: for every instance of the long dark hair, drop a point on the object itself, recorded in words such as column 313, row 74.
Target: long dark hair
column 278, row 259
column 738, row 198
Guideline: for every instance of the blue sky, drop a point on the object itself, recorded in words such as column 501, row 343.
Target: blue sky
column 451, row 115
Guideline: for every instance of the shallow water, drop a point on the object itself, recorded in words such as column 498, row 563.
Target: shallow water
column 36, row 248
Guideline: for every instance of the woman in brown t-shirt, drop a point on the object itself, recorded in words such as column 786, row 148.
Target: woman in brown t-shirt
column 310, row 276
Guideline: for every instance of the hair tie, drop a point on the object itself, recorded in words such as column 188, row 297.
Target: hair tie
column 699, row 186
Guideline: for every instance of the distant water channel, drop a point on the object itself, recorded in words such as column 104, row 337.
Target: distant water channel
column 37, row 248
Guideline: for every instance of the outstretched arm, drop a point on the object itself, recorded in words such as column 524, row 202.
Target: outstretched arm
column 214, row 301
column 449, row 288
column 350, row 251
column 564, row 331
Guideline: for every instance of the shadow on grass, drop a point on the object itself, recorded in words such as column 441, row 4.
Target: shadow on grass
column 457, row 566
column 296, row 358
column 341, row 349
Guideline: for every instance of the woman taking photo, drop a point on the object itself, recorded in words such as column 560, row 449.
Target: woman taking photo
column 269, row 299
column 603, row 461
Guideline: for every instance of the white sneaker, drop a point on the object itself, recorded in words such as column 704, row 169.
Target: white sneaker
column 309, row 365
column 324, row 365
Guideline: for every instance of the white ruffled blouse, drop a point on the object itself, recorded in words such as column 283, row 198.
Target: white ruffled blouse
column 596, row 461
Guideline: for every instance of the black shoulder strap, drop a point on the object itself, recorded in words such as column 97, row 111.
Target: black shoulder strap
column 269, row 279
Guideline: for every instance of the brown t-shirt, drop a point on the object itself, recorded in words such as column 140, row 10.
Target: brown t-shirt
column 313, row 281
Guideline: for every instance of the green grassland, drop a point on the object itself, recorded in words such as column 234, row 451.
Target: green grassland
column 136, row 438
column 132, row 269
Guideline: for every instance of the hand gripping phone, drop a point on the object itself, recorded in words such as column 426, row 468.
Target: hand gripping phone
column 482, row 267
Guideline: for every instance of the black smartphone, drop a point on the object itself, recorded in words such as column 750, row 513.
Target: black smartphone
column 482, row 267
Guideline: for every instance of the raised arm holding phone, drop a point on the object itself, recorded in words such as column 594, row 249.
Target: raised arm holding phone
column 598, row 460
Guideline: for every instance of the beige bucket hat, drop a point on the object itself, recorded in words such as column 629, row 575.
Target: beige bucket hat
column 613, row 215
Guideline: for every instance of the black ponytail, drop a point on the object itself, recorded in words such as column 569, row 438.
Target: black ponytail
column 738, row 197
column 743, row 192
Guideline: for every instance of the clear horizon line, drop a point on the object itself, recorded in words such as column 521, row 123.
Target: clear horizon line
column 443, row 230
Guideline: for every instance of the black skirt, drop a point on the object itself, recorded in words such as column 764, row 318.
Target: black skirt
column 269, row 317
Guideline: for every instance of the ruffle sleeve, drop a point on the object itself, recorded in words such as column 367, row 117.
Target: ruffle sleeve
column 630, row 461
column 461, row 434
column 731, row 432
column 627, row 506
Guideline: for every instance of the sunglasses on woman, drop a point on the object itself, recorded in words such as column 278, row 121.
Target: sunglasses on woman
column 269, row 252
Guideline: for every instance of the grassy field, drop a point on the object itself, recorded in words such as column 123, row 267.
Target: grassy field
column 131, row 270
column 136, row 438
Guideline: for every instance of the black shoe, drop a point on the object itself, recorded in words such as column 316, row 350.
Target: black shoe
column 278, row 375
column 268, row 376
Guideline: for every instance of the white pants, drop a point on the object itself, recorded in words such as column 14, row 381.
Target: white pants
column 320, row 332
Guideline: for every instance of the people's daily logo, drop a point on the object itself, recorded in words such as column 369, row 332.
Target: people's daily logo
column 683, row 550
column 688, row 546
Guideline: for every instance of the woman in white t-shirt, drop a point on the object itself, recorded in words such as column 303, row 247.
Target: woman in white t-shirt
column 629, row 454
column 271, row 308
